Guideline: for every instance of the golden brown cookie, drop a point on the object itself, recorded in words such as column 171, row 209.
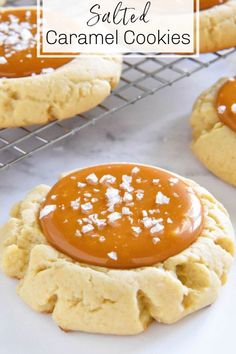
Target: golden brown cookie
column 122, row 297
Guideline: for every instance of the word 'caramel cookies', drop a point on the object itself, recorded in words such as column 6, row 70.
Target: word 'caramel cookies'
column 18, row 45
column 121, row 215
column 226, row 103
column 207, row 4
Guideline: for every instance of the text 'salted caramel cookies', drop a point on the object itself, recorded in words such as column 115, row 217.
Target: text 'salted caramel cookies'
column 121, row 216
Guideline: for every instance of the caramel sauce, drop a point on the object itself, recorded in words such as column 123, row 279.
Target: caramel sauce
column 137, row 217
column 18, row 46
column 226, row 103
column 207, row 4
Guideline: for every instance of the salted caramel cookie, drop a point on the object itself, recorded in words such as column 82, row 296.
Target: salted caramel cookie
column 213, row 124
column 110, row 248
column 36, row 90
column 217, row 25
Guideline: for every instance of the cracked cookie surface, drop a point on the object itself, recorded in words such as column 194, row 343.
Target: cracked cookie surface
column 218, row 27
column 71, row 89
column 214, row 143
column 95, row 299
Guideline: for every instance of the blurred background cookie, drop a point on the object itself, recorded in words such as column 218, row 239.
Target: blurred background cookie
column 213, row 123
column 37, row 90
column 217, row 25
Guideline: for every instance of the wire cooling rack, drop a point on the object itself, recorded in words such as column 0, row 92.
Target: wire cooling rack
column 140, row 78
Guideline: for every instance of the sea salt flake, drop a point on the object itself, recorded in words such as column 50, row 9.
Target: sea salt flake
column 112, row 218
column 87, row 220
column 47, row 71
column 173, row 180
column 169, row 221
column 157, row 228
column 26, row 34
column 147, row 222
column 162, row 199
column 233, row 108
column 131, row 220
column 126, row 211
column 81, row 185
column 113, row 197
column 137, row 230
column 3, row 60
column 102, row 239
column 176, row 195
column 155, row 240
column 112, row 255
column 100, row 223
column 127, row 197
column 135, row 170
column 221, row 109
column 107, row 179
column 75, row 204
column 94, row 200
column 89, row 195
column 139, row 194
column 54, row 197
column 78, row 233
column 155, row 181
column 126, row 183
column 87, row 228
column 144, row 213
column 47, row 210
column 92, row 179
column 86, row 207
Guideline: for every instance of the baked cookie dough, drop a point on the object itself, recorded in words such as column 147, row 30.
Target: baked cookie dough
column 214, row 141
column 217, row 25
column 35, row 90
column 106, row 299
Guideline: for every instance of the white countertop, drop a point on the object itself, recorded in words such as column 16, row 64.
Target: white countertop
column 153, row 131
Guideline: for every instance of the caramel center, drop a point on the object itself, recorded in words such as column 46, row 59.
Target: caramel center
column 18, row 46
column 226, row 104
column 121, row 215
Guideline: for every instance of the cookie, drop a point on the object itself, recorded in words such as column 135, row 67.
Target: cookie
column 35, row 90
column 111, row 248
column 217, row 25
column 214, row 141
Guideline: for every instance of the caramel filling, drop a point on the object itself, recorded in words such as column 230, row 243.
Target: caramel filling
column 207, row 4
column 121, row 215
column 18, row 46
column 226, row 104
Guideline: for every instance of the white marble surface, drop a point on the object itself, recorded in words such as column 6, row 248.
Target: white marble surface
column 153, row 131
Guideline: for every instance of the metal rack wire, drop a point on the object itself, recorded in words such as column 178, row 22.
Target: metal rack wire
column 140, row 78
